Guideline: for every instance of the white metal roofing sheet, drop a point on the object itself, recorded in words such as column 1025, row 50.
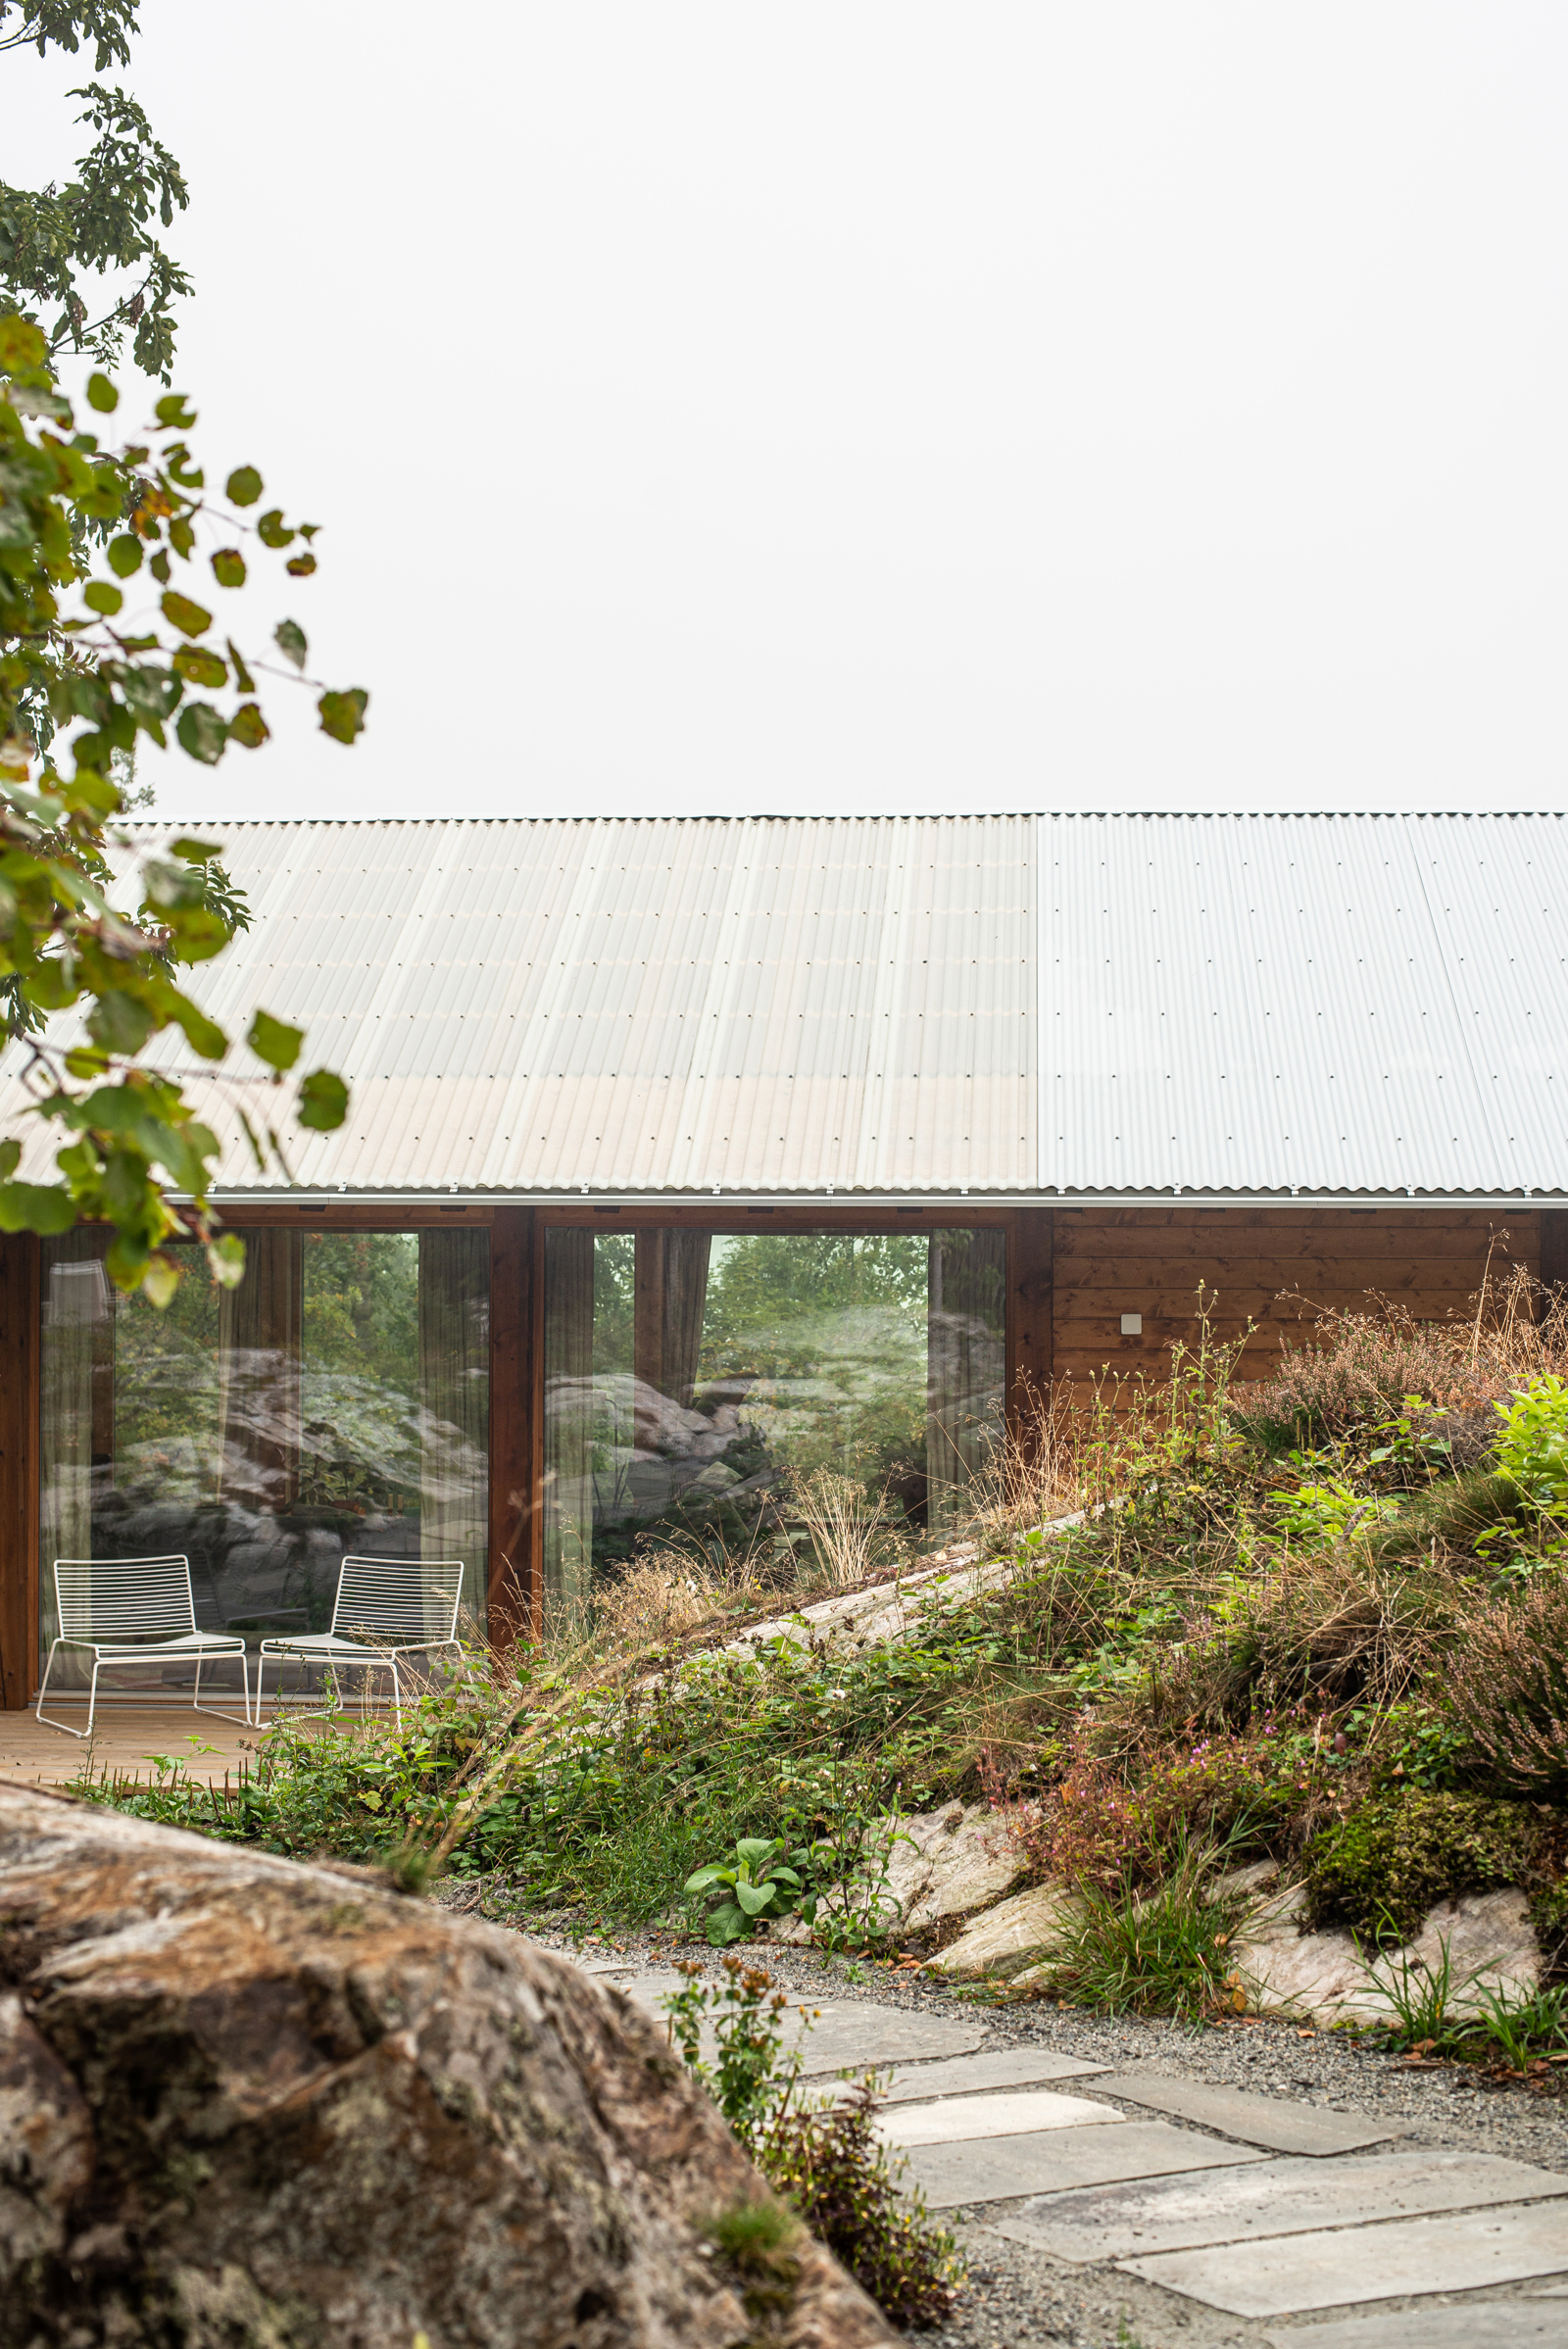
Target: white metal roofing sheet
column 1007, row 1005
column 1253, row 1005
column 752, row 1003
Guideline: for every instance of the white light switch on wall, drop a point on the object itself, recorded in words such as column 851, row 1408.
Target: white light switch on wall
column 1132, row 1324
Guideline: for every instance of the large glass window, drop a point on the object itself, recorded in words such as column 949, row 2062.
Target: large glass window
column 337, row 1400
column 690, row 1376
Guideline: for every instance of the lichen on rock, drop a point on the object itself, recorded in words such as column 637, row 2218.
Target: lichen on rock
column 248, row 2104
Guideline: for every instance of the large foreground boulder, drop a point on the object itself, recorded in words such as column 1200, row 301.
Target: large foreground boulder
column 246, row 2104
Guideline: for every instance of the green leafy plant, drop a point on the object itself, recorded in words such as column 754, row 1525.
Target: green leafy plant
column 1532, row 1444
column 824, row 2157
column 837, row 2171
column 760, row 1883
column 84, row 674
column 751, row 2075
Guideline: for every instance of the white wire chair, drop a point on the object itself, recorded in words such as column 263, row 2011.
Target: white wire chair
column 385, row 1608
column 136, row 1611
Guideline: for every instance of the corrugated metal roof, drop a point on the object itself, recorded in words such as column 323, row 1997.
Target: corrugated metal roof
column 1089, row 1006
column 1250, row 1004
column 648, row 1003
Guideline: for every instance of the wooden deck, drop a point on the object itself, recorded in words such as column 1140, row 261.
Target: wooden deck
column 125, row 1738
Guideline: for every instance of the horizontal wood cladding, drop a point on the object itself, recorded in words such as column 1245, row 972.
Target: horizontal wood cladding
column 1277, row 1269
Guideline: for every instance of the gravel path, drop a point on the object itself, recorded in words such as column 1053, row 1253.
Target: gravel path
column 1023, row 2297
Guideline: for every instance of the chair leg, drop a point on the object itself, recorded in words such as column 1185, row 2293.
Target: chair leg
column 196, row 1700
column 48, row 1719
column 92, row 1694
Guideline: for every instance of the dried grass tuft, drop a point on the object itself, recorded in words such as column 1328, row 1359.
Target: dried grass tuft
column 1359, row 1367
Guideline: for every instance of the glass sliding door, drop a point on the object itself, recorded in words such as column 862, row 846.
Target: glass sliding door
column 690, row 1377
column 337, row 1400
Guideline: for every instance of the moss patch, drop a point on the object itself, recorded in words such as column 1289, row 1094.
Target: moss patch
column 1381, row 1871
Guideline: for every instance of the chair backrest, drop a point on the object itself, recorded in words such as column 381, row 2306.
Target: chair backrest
column 125, row 1598
column 400, row 1599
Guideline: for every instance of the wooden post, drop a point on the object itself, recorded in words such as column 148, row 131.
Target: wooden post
column 647, row 1332
column 516, row 1610
column 18, row 1469
column 1031, row 1351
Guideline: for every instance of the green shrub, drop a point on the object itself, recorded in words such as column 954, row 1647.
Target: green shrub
column 837, row 2171
column 825, row 2159
column 1533, row 1445
column 1380, row 1870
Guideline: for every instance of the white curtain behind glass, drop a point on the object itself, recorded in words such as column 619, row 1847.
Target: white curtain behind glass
column 454, row 1405
column 76, row 1391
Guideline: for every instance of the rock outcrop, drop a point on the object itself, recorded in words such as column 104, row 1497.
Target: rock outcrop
column 1488, row 1937
column 246, row 2104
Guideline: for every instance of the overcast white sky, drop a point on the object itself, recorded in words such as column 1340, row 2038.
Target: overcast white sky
column 721, row 408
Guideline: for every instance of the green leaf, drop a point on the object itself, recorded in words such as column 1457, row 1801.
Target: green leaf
column 300, row 567
column 102, row 395
column 289, row 638
column 35, row 1207
column 705, row 1877
column 228, row 568
column 195, row 852
column 181, row 536
column 323, row 1101
column 173, row 413
column 162, row 1277
column 248, row 728
column 225, row 1258
column 343, row 713
column 99, row 595
column 21, row 347
column 120, row 1023
column 754, row 1898
column 200, row 666
column 124, row 555
column 159, row 566
column 726, row 1925
column 756, row 1849
column 272, row 531
column 273, row 1040
column 244, row 682
column 202, row 732
column 784, row 1876
column 188, row 617
column 10, row 1154
column 244, row 485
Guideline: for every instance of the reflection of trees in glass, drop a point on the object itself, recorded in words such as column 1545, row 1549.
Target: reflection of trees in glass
column 830, row 1328
column 359, row 1372
column 166, row 1389
column 614, row 1294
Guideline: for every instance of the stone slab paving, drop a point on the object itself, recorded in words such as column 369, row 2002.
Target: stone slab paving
column 845, row 2033
column 1274, row 2121
column 1461, row 2325
column 1049, row 2161
column 1271, row 2198
column 970, row 2074
column 981, row 2119
column 1463, row 2252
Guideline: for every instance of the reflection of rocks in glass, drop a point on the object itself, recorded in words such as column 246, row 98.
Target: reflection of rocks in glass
column 645, row 1454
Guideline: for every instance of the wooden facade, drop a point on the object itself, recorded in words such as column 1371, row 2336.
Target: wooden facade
column 1072, row 1274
